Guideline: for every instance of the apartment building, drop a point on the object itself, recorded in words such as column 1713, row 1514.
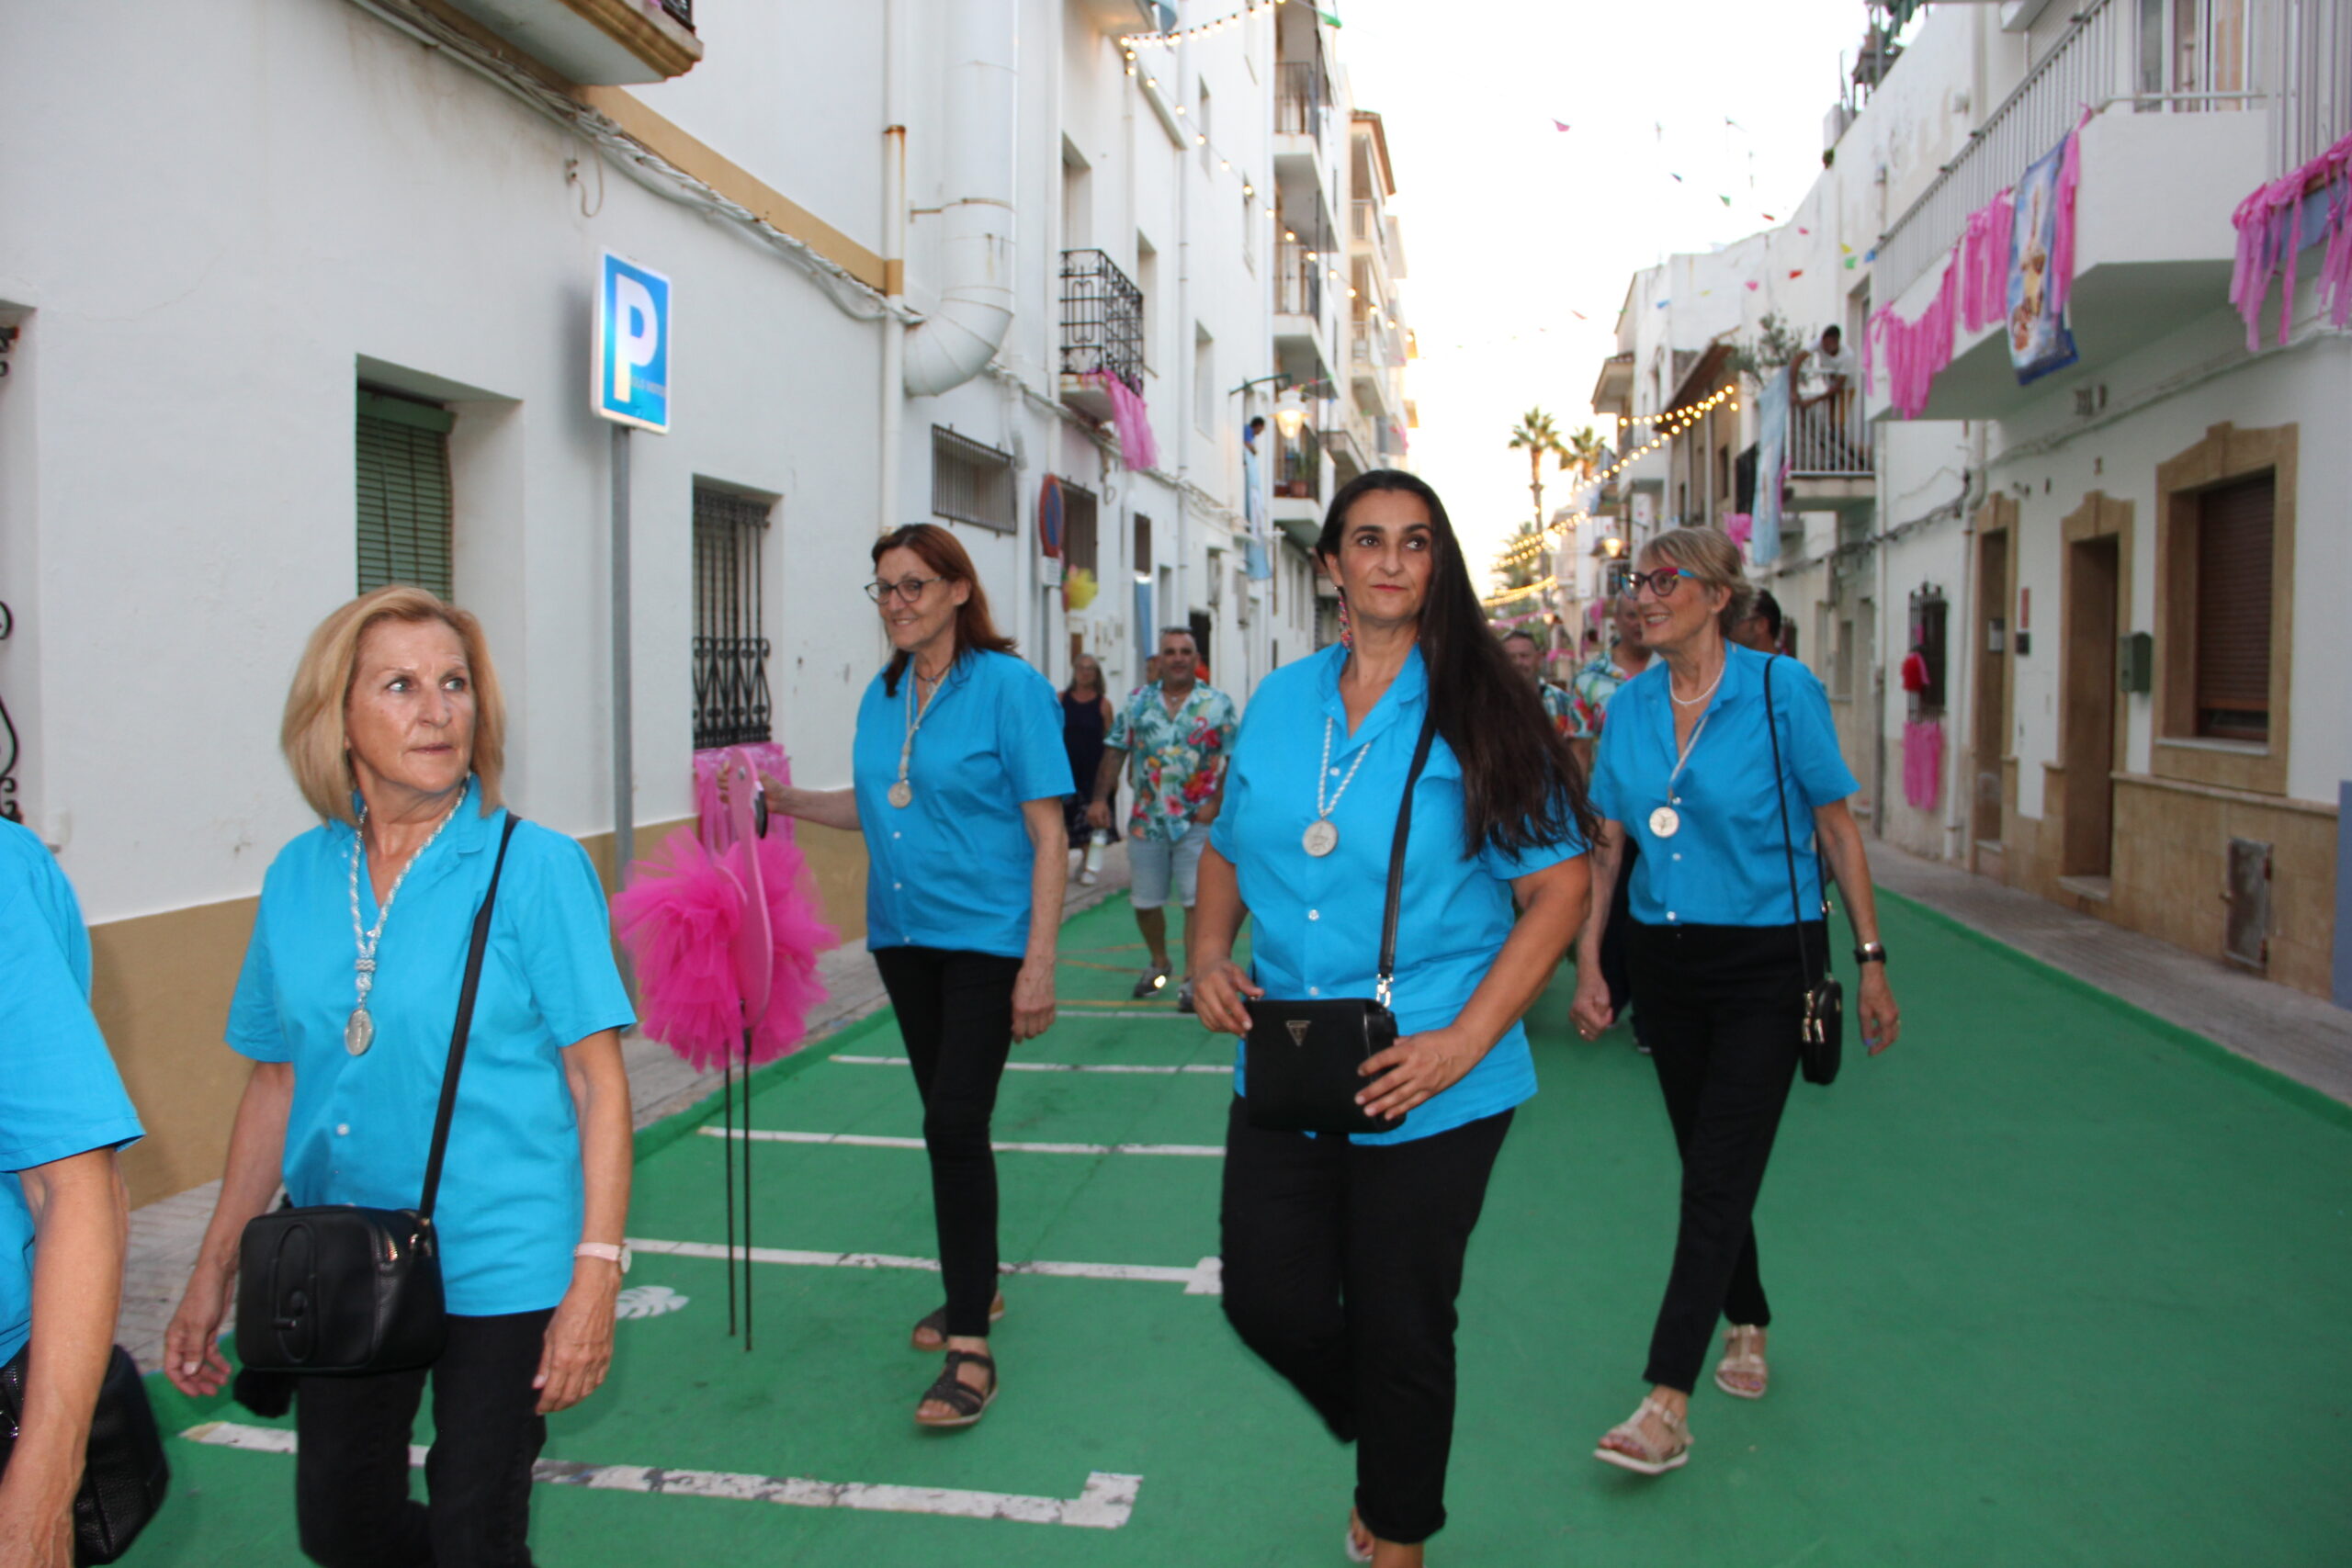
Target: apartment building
column 341, row 334
column 2060, row 556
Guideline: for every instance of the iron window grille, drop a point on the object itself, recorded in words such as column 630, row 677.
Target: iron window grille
column 731, row 648
column 682, row 12
column 971, row 482
column 1101, row 320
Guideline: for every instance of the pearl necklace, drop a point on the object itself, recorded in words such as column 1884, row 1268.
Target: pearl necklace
column 359, row 1029
column 1694, row 702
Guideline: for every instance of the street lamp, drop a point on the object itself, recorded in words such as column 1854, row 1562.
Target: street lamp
column 1290, row 413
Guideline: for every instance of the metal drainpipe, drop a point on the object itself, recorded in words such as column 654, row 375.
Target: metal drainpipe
column 894, row 253
column 1188, row 357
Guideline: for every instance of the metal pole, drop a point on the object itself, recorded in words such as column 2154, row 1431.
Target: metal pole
column 624, row 755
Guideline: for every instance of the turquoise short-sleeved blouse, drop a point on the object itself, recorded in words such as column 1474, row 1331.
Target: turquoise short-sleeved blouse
column 1725, row 864
column 1315, row 922
column 951, row 868
column 512, row 1186
column 60, row 1095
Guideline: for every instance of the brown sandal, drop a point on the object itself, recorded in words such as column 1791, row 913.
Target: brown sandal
column 935, row 1324
column 968, row 1403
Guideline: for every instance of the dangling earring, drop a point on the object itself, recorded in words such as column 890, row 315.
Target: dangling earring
column 1347, row 627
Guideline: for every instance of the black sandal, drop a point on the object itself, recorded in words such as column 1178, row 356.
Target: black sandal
column 935, row 1324
column 970, row 1404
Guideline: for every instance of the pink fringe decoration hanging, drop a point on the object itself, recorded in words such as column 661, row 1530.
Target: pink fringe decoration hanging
column 2062, row 238
column 1137, row 447
column 1923, row 762
column 678, row 919
column 1984, row 262
column 1915, row 352
column 2270, row 242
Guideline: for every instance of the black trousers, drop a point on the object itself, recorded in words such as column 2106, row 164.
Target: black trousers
column 1341, row 1265
column 955, row 1013
column 1720, row 1008
column 351, row 1493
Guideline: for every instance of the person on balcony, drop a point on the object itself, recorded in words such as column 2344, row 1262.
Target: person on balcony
column 64, row 1219
column 1177, row 736
column 1690, row 767
column 1832, row 365
column 960, row 776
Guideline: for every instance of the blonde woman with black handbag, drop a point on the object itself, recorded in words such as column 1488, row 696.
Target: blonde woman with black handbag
column 1722, row 764
column 1390, row 801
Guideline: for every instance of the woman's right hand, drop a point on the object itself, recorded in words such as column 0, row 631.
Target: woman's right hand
column 1590, row 1012
column 192, row 1358
column 1217, row 992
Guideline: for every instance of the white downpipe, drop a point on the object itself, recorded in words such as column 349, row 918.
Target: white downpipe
column 894, row 252
column 951, row 346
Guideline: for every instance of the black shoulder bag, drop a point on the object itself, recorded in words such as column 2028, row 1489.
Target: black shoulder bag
column 124, row 1475
column 336, row 1288
column 1822, row 1041
column 1303, row 1059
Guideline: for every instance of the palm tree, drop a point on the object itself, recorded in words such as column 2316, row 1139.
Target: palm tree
column 1523, row 560
column 1587, row 451
column 1539, row 437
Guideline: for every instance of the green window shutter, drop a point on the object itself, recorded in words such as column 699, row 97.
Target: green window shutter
column 404, row 507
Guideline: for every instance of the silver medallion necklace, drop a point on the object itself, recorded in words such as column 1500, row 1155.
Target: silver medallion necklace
column 902, row 794
column 1321, row 838
column 360, row 1031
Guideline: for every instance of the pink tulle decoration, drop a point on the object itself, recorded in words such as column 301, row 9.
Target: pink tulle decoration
column 1915, row 352
column 681, row 917
column 2061, row 237
column 1138, row 449
column 1984, row 261
column 2270, row 242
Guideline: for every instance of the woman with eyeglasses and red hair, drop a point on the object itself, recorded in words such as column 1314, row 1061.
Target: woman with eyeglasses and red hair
column 1690, row 771
column 959, row 779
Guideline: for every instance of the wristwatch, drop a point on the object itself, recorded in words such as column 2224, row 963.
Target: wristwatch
column 605, row 1250
column 1871, row 952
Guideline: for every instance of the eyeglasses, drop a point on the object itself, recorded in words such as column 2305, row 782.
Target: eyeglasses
column 907, row 590
column 1662, row 582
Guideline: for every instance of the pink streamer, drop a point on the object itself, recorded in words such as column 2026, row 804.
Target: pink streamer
column 1918, row 351
column 2061, row 239
column 1137, row 448
column 1984, row 262
column 1739, row 525
column 2270, row 240
column 1923, row 762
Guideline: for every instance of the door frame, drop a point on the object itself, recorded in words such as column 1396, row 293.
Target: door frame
column 2068, row 793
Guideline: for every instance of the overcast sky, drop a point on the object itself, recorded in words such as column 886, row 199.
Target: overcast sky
column 1511, row 228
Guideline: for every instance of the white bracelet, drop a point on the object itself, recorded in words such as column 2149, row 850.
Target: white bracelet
column 619, row 1255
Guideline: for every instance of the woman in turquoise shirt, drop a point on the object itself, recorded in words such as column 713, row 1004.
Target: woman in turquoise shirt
column 394, row 729
column 1342, row 1256
column 63, row 1220
column 1686, row 767
column 960, row 773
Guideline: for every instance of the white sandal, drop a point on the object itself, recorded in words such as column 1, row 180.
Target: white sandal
column 1742, row 1356
column 1651, row 1459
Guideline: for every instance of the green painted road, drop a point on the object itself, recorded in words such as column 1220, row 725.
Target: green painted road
column 2056, row 1283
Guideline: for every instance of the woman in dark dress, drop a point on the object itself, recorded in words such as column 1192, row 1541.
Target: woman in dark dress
column 1086, row 719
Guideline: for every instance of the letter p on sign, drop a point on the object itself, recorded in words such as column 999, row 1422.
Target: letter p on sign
column 632, row 358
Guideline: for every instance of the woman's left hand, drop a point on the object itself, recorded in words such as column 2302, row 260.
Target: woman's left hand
column 1417, row 1068
column 1881, row 1021
column 1032, row 998
column 578, row 1350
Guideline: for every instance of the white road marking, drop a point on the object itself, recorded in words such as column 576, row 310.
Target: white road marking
column 1206, row 1277
column 873, row 1140
column 1106, row 1502
column 1207, row 1068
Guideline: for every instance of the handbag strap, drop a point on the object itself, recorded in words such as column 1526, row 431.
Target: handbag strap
column 1788, row 841
column 465, row 1023
column 1396, row 855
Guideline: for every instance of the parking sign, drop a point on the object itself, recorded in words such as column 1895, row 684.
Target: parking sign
column 632, row 358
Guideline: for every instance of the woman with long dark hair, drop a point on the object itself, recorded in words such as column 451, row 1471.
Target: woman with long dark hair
column 1342, row 1256
column 959, row 781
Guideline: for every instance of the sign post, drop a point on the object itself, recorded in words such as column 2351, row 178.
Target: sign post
column 631, row 366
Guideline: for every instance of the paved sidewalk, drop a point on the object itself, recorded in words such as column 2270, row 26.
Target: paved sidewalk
column 166, row 1234
column 2301, row 1037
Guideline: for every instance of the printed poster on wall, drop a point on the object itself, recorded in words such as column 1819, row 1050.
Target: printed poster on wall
column 2039, row 340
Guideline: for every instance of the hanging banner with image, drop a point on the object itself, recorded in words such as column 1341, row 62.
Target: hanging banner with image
column 2039, row 340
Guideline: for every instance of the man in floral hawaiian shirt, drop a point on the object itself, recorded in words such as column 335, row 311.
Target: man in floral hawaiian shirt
column 1527, row 657
column 1178, row 734
column 1590, row 690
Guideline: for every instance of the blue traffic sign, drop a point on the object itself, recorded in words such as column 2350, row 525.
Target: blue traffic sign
column 633, row 325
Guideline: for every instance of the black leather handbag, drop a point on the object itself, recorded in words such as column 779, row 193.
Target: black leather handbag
column 1304, row 1057
column 335, row 1288
column 124, row 1475
column 1821, row 1039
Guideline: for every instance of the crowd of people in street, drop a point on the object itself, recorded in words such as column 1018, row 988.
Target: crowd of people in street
column 1413, row 827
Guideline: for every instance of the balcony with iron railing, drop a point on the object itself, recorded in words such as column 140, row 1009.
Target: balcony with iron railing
column 2143, row 264
column 1300, row 100
column 1831, row 454
column 1299, row 275
column 609, row 43
column 1101, row 331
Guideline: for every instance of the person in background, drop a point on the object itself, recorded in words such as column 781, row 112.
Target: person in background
column 1832, row 364
column 63, row 1217
column 959, row 776
column 1595, row 685
column 1343, row 1257
column 1760, row 627
column 394, row 731
column 1526, row 656
column 1086, row 719
column 1177, row 735
column 1687, row 767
